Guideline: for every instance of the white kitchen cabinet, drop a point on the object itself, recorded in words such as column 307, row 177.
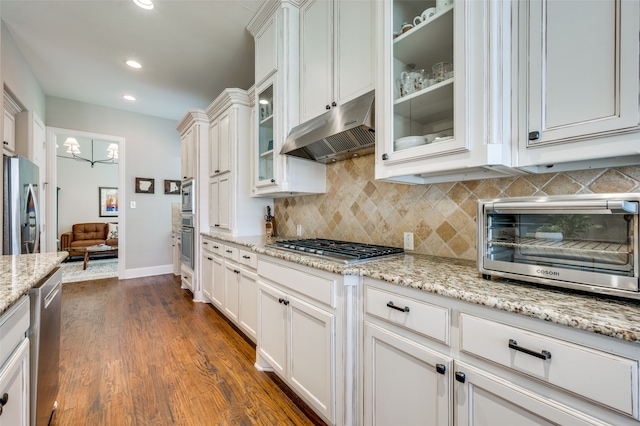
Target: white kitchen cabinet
column 219, row 139
column 232, row 290
column 577, row 83
column 15, row 401
column 248, row 295
column 10, row 109
column 454, row 124
column 503, row 368
column 207, row 275
column 176, row 252
column 186, row 279
column 405, row 383
column 218, row 286
column 187, row 159
column 309, row 326
column 219, row 202
column 299, row 339
column 231, row 208
column 336, row 53
column 486, row 400
column 277, row 110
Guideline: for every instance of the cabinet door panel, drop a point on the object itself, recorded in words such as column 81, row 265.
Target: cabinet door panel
column 266, row 48
column 224, row 205
column 486, row 400
column 14, row 381
column 354, row 49
column 214, row 210
column 582, row 77
column 207, row 275
column 248, row 316
column 312, row 369
column 402, row 386
column 316, row 53
column 214, row 144
column 223, row 161
column 231, row 294
column 272, row 327
column 217, row 294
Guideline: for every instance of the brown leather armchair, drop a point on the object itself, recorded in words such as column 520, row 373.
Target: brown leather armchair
column 88, row 234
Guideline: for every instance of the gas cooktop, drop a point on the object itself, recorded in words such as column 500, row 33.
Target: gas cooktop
column 339, row 251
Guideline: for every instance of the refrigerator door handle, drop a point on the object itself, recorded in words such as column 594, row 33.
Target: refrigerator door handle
column 31, row 206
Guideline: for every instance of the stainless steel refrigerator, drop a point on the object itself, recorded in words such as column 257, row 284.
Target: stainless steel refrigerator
column 21, row 215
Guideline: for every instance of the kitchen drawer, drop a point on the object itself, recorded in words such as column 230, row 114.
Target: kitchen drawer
column 13, row 325
column 423, row 318
column 602, row 377
column 187, row 279
column 212, row 246
column 316, row 287
column 249, row 259
column 232, row 253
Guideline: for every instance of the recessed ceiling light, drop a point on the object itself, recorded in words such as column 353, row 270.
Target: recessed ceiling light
column 133, row 64
column 145, row 4
column 129, row 97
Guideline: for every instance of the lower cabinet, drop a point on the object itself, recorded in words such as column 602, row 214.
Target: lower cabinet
column 498, row 369
column 14, row 388
column 483, row 399
column 309, row 324
column 229, row 282
column 405, row 382
column 298, row 339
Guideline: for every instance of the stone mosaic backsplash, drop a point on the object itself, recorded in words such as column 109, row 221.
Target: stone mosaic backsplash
column 442, row 216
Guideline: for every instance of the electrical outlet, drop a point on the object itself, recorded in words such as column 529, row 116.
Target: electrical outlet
column 408, row 240
column 299, row 230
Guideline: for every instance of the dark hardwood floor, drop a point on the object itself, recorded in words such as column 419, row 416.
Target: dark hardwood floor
column 140, row 352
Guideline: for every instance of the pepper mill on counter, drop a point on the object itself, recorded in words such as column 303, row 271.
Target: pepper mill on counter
column 270, row 224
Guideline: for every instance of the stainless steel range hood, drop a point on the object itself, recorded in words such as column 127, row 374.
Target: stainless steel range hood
column 337, row 134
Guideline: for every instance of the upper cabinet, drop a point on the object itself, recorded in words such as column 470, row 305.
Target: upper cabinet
column 193, row 128
column 11, row 109
column 275, row 28
column 442, row 93
column 231, row 209
column 578, row 84
column 336, row 53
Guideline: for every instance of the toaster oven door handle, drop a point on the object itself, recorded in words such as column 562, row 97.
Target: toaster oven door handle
column 566, row 207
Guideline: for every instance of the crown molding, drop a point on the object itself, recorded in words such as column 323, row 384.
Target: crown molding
column 226, row 99
column 266, row 10
column 191, row 117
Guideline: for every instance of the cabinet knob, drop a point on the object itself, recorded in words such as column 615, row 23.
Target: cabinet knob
column 441, row 368
column 236, row 271
column 385, row 156
column 273, row 181
column 216, row 171
column 327, row 107
column 4, row 399
column 7, row 143
column 216, row 225
column 460, row 377
column 534, row 136
column 333, row 104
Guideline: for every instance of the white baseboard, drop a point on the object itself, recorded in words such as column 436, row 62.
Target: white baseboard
column 148, row 272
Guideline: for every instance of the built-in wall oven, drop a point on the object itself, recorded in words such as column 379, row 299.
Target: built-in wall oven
column 585, row 242
column 187, row 240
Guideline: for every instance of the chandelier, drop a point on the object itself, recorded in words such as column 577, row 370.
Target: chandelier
column 74, row 150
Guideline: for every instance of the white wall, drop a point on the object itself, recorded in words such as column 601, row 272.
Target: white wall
column 152, row 150
column 79, row 182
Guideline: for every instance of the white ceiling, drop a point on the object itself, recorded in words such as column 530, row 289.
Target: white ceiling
column 189, row 50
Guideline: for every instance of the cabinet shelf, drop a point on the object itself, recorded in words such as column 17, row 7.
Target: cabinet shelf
column 267, row 153
column 428, row 105
column 433, row 40
column 267, row 122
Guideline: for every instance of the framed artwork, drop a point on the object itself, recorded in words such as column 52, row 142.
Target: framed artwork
column 108, row 201
column 171, row 186
column 145, row 185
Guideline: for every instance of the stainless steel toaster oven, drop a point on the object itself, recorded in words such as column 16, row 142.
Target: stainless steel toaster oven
column 585, row 242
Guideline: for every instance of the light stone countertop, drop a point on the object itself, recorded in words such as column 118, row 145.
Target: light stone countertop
column 20, row 273
column 460, row 279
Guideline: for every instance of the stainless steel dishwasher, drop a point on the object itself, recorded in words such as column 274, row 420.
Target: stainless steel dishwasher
column 46, row 303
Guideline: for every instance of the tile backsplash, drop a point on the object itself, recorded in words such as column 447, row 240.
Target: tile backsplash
column 442, row 216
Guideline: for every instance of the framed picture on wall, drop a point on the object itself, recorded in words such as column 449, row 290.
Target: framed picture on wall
column 145, row 185
column 108, row 201
column 171, row 186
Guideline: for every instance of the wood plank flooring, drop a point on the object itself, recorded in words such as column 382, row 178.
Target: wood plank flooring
column 140, row 352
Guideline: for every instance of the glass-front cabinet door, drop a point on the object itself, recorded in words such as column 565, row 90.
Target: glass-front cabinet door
column 434, row 89
column 265, row 111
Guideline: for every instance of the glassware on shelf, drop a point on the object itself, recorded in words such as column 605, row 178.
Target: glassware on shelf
column 442, row 71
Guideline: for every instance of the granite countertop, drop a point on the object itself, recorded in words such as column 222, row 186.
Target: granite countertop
column 459, row 279
column 20, row 273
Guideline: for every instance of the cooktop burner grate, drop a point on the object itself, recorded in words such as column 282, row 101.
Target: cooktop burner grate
column 341, row 251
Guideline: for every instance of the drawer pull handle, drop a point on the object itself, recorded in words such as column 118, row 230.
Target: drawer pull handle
column 285, row 301
column 3, row 401
column 246, row 257
column 216, row 247
column 460, row 377
column 236, row 271
column 392, row 306
column 229, row 251
column 209, row 258
column 441, row 368
column 542, row 354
